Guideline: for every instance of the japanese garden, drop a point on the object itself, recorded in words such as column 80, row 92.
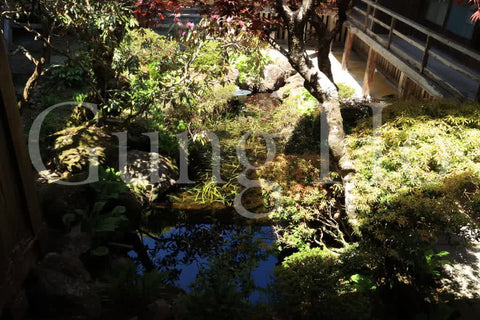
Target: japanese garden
column 235, row 159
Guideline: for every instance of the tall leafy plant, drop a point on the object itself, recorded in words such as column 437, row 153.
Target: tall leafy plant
column 101, row 26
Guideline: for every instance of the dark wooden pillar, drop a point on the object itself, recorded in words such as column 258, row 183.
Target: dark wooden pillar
column 402, row 86
column 348, row 49
column 369, row 71
column 20, row 222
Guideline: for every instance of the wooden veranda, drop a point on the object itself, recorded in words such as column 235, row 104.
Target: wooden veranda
column 411, row 55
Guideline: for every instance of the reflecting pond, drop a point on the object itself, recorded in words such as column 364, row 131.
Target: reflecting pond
column 187, row 253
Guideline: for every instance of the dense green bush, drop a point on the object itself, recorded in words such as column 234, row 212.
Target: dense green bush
column 104, row 216
column 311, row 285
column 211, row 58
column 250, row 66
column 215, row 296
column 216, row 102
column 130, row 288
column 305, row 103
column 417, row 179
column 100, row 28
column 345, row 91
column 306, row 215
column 66, row 76
column 171, row 80
column 142, row 46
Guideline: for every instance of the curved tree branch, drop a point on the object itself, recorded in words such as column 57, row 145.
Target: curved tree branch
column 284, row 10
column 304, row 9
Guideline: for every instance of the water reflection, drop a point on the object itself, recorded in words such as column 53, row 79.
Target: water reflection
column 190, row 254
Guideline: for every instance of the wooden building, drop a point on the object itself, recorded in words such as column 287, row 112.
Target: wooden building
column 424, row 47
column 451, row 18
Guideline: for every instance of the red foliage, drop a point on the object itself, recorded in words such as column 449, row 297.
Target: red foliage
column 249, row 14
column 148, row 12
column 244, row 10
column 253, row 11
column 476, row 15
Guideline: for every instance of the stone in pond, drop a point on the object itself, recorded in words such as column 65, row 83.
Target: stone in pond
column 149, row 171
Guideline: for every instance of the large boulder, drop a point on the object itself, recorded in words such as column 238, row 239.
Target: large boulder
column 463, row 271
column 292, row 84
column 72, row 148
column 150, row 172
column 281, row 61
column 60, row 286
column 158, row 310
column 232, row 75
column 273, row 77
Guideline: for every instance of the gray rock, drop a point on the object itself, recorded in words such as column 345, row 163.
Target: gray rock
column 282, row 62
column 65, row 264
column 274, row 95
column 149, row 171
column 158, row 310
column 61, row 287
column 73, row 146
column 273, row 78
column 232, row 75
column 461, row 276
column 292, row 83
column 76, row 242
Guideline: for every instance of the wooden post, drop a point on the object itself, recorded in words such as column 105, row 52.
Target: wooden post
column 401, row 85
column 20, row 220
column 370, row 71
column 331, row 22
column 374, row 13
column 348, row 49
column 390, row 33
column 478, row 94
column 425, row 54
column 366, row 17
column 13, row 121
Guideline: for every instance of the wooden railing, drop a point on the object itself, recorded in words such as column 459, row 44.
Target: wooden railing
column 368, row 20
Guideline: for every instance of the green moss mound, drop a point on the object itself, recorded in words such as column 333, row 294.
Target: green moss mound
column 417, row 180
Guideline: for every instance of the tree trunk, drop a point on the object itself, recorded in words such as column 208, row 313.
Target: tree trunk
column 323, row 59
column 32, row 82
column 325, row 91
column 318, row 83
column 39, row 66
column 103, row 72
